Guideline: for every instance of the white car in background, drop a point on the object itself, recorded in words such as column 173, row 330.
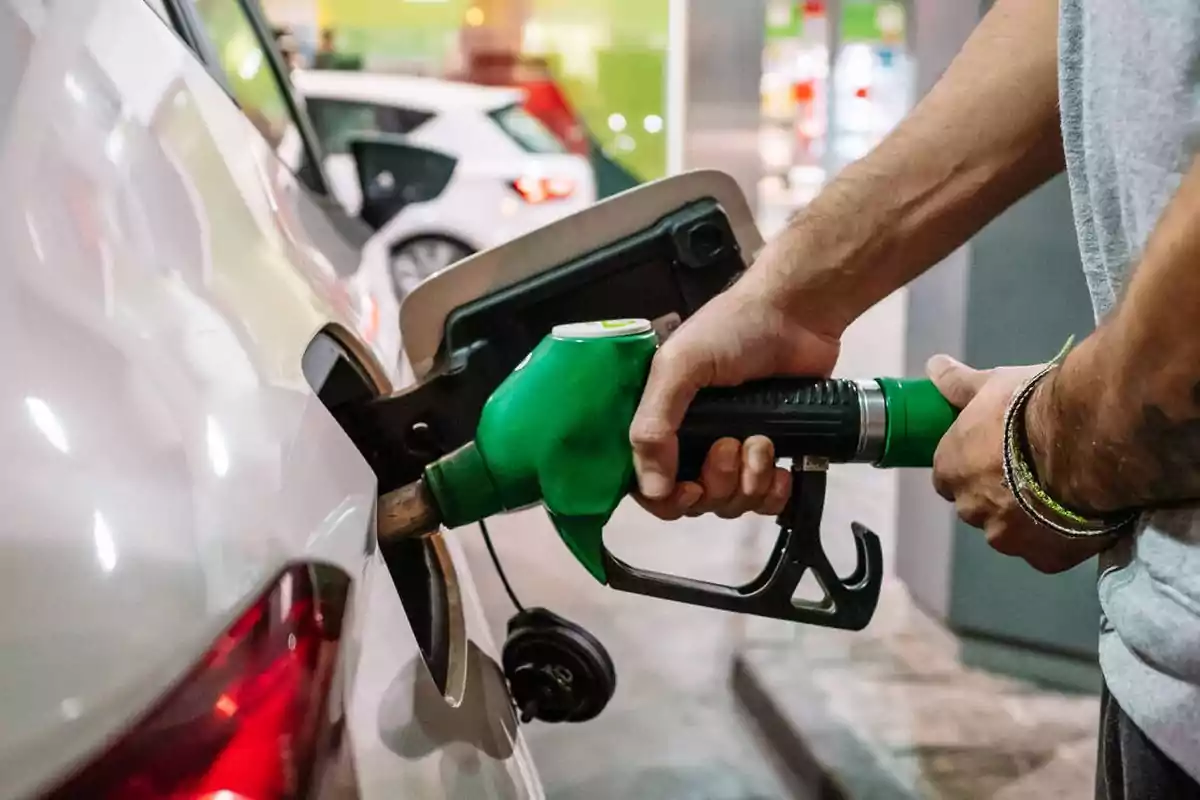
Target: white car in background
column 499, row 172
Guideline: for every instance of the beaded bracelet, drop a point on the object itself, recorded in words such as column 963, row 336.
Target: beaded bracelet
column 1030, row 495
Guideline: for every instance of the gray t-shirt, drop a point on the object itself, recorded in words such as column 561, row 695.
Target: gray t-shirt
column 1129, row 86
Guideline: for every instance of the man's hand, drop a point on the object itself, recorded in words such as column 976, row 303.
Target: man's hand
column 968, row 467
column 738, row 336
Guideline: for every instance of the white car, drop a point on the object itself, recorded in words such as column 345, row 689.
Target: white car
column 504, row 175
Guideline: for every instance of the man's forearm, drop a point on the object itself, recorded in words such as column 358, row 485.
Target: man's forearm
column 983, row 137
column 1118, row 425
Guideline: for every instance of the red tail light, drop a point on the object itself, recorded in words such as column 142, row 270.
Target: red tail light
column 540, row 190
column 256, row 719
column 544, row 100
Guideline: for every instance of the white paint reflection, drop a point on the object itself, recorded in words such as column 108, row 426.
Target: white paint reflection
column 106, row 548
column 35, row 238
column 250, row 64
column 114, row 145
column 71, row 708
column 107, row 270
column 285, row 596
column 74, row 88
column 218, row 450
column 48, row 423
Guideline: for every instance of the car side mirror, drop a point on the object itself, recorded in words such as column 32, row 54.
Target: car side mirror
column 393, row 173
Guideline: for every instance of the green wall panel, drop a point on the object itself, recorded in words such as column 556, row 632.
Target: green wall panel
column 859, row 21
column 627, row 59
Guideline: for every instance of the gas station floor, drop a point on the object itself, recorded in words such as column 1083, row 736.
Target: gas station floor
column 673, row 729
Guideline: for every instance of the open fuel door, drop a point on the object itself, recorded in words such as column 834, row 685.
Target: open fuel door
column 657, row 252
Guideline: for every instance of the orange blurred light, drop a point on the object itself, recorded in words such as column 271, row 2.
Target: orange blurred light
column 536, row 190
column 370, row 321
column 225, row 706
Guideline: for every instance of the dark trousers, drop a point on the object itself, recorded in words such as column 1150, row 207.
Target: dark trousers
column 1130, row 766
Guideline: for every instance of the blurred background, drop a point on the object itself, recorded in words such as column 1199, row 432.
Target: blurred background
column 596, row 72
column 978, row 676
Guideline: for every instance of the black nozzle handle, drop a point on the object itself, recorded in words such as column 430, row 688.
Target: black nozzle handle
column 820, row 417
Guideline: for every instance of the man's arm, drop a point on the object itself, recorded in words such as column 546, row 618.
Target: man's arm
column 1118, row 425
column 985, row 135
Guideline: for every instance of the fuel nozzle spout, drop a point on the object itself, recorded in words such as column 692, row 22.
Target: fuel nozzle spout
column 456, row 490
column 409, row 511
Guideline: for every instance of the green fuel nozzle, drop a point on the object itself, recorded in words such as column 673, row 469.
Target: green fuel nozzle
column 556, row 431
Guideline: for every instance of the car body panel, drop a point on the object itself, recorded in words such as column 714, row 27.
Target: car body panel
column 163, row 273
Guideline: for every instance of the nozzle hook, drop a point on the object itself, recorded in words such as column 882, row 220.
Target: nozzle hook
column 849, row 603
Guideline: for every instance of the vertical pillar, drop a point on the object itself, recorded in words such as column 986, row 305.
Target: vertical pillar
column 714, row 73
column 833, row 45
column 677, row 84
column 1012, row 296
column 935, row 323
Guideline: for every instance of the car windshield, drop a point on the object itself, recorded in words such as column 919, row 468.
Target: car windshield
column 527, row 130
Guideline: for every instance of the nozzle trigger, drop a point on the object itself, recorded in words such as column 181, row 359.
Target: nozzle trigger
column 849, row 603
